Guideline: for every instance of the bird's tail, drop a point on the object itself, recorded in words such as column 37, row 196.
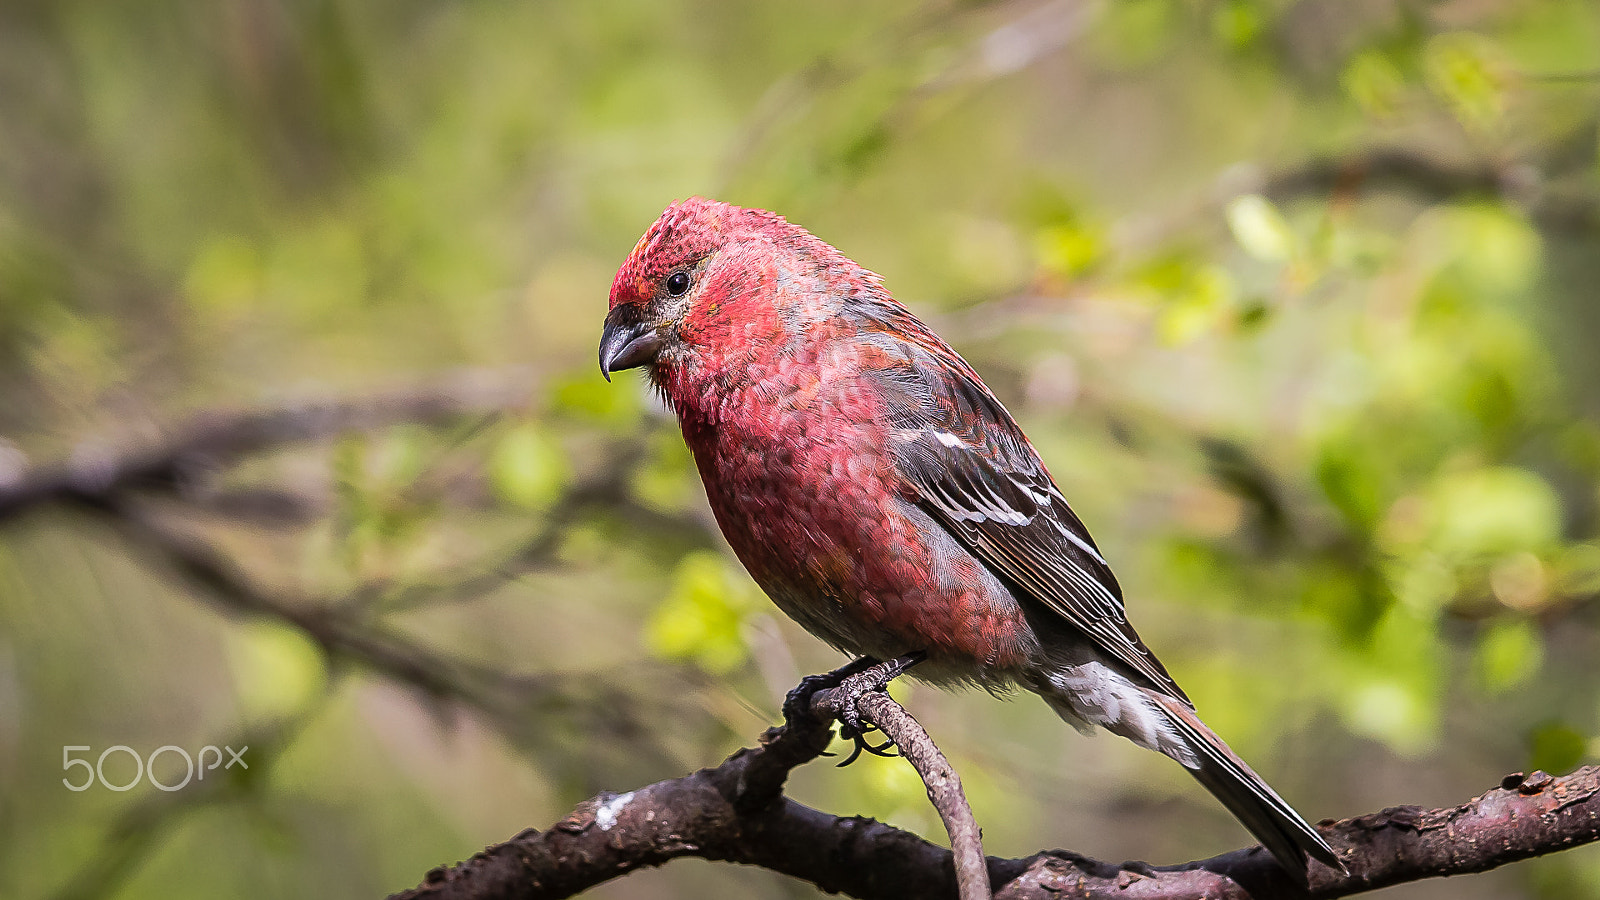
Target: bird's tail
column 1256, row 805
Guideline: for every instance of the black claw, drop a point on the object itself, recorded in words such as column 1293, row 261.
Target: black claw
column 862, row 745
column 887, row 749
column 858, row 743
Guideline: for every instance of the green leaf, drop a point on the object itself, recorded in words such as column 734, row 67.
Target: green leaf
column 702, row 618
column 1490, row 512
column 1392, row 711
column 1260, row 229
column 1467, row 71
column 1374, row 83
column 1237, row 23
column 277, row 670
column 1493, row 247
column 1556, row 747
column 1208, row 300
column 1509, row 653
column 527, row 468
column 1069, row 249
column 1423, row 583
column 1350, row 483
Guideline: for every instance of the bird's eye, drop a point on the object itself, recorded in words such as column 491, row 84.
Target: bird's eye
column 678, row 284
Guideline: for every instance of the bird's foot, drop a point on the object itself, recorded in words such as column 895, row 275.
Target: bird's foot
column 875, row 677
column 855, row 679
column 857, row 685
column 885, row 749
column 797, row 705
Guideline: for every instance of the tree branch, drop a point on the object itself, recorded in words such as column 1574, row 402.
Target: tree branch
column 1552, row 205
column 940, row 778
column 216, row 439
column 1389, row 169
column 736, row 812
column 346, row 628
column 944, row 790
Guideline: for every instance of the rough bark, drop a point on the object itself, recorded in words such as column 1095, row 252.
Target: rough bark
column 736, row 812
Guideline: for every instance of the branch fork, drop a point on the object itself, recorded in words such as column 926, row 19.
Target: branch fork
column 861, row 697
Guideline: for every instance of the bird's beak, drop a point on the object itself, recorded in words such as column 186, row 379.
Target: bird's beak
column 627, row 344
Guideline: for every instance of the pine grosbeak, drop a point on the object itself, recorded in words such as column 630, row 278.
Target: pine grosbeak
column 884, row 499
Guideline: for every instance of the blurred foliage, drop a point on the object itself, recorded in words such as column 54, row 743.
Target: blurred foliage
column 702, row 618
column 1296, row 297
column 527, row 467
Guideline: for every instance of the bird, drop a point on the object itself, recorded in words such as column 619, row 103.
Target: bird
column 884, row 499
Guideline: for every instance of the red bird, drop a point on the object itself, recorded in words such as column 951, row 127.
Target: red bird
column 884, row 499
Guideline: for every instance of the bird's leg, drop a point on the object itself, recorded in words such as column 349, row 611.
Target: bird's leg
column 874, row 678
column 797, row 704
column 856, row 678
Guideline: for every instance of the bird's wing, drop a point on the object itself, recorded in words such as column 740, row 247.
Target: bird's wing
column 964, row 459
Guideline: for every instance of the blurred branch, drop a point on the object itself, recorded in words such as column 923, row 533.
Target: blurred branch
column 215, row 439
column 1391, row 168
column 606, row 488
column 1034, row 34
column 1395, row 169
column 349, row 628
column 509, row 700
column 1436, row 179
column 736, row 812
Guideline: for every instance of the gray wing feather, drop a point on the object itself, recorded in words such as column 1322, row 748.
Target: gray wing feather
column 966, row 461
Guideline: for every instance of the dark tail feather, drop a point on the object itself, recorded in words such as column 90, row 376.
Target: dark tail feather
column 1258, row 807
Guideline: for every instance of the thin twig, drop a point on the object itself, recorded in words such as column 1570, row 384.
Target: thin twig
column 944, row 788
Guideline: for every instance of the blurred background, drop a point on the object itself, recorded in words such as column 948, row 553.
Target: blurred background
column 303, row 447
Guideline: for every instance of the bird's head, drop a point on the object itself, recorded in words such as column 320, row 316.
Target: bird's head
column 707, row 274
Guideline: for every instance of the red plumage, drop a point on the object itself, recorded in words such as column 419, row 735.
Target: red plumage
column 881, row 495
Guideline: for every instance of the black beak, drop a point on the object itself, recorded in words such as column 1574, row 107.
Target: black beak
column 626, row 344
